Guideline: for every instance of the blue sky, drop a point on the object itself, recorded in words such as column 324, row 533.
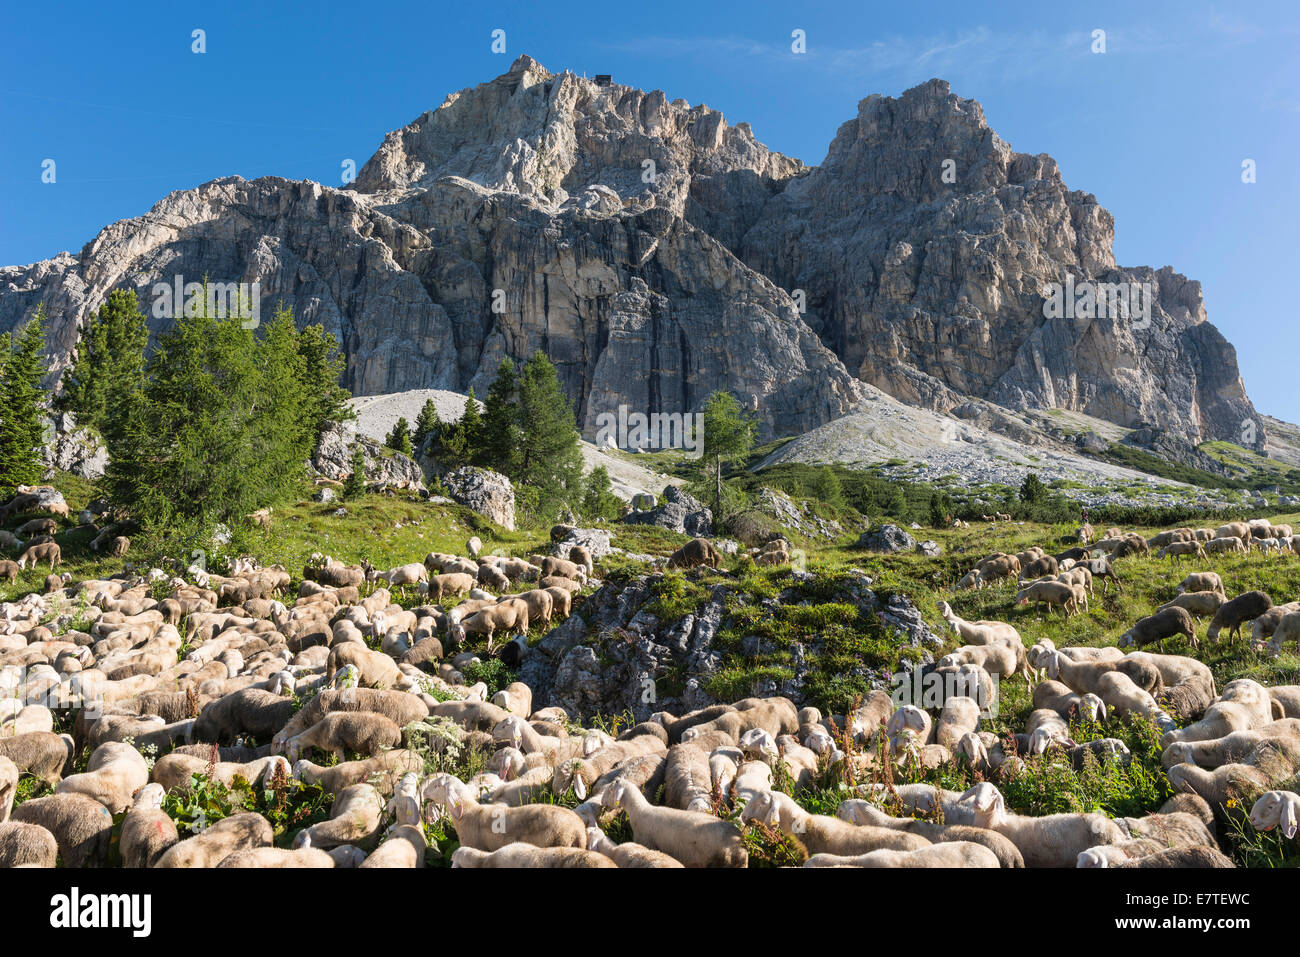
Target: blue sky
column 1157, row 126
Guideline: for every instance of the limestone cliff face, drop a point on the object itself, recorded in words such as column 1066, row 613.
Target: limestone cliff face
column 650, row 249
column 931, row 287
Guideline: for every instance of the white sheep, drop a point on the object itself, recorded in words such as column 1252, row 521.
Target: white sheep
column 693, row 838
column 1054, row 840
column 1280, row 809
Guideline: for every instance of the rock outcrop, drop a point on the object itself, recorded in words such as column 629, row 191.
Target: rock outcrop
column 680, row 512
column 385, row 468
column 484, row 491
column 657, row 253
column 70, row 448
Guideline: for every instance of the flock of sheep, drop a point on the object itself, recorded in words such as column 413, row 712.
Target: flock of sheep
column 211, row 680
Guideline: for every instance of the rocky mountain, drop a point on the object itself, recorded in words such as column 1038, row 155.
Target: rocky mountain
column 657, row 253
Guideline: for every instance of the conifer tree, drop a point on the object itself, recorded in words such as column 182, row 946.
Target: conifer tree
column 399, row 439
column 21, row 397
column 550, row 458
column 109, row 364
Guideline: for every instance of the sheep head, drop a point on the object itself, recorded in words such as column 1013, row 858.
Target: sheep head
column 986, row 803
column 1276, row 809
column 757, row 743
column 762, row 808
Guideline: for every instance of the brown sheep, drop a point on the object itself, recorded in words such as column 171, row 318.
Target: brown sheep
column 503, row 616
column 36, row 554
column 1163, row 624
column 1179, row 549
column 119, row 546
column 456, row 583
column 1039, row 567
column 81, row 825
column 1235, row 613
column 555, row 581
column 9, row 570
column 38, row 526
column 562, row 568
column 561, row 601
column 1199, row 604
column 1201, row 581
column 698, row 551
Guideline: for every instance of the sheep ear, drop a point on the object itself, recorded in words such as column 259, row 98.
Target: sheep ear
column 1289, row 826
column 579, row 787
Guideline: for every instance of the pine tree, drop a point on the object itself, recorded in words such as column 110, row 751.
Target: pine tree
column 463, row 438
column 597, row 499
column 729, row 431
column 399, row 439
column 21, row 397
column 1032, row 489
column 426, row 423
column 501, row 441
column 323, row 367
column 826, row 487
column 109, row 365
column 550, row 457
column 356, row 481
column 222, row 425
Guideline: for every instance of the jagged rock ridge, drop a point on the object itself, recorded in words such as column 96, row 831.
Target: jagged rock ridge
column 648, row 247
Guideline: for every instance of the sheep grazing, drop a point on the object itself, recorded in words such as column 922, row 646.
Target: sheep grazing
column 147, row 830
column 698, row 551
column 1235, row 613
column 1276, row 809
column 821, row 834
column 27, row 845
column 492, row 827
column 238, row 832
column 1244, row 706
column 527, row 855
column 1054, row 840
column 948, row 854
column 1198, row 604
column 691, row 837
column 1180, row 550
column 41, row 754
column 1048, row 593
column 403, row 847
column 362, row 731
column 629, row 854
column 354, row 819
column 113, row 774
column 1163, row 624
column 81, row 825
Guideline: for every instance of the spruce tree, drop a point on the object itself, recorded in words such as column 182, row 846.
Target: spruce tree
column 550, row 458
column 323, row 367
column 463, row 438
column 426, row 423
column 501, row 442
column 597, row 499
column 21, row 396
column 109, row 364
column 356, row 481
column 399, row 439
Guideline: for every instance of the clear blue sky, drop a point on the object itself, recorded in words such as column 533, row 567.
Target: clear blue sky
column 1157, row 127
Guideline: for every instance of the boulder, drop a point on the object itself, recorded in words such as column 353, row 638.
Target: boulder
column 70, row 448
column 680, row 512
column 886, row 538
column 484, row 491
